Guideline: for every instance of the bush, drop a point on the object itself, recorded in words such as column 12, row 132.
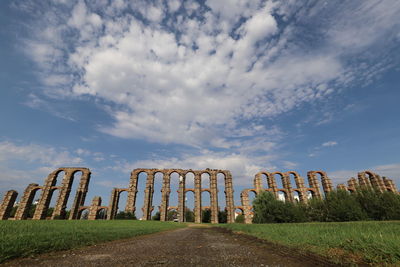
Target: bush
column 122, row 215
column 206, row 216
column 338, row 206
column 222, row 216
column 239, row 218
column 267, row 209
column 341, row 206
column 189, row 216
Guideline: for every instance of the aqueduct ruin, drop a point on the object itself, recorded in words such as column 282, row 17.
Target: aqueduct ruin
column 289, row 191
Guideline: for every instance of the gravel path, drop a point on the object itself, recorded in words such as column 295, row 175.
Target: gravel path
column 191, row 246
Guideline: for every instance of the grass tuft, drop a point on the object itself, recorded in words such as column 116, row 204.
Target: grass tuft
column 367, row 241
column 26, row 238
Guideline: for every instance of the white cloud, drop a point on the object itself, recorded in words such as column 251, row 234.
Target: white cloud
column 329, row 143
column 205, row 72
column 23, row 164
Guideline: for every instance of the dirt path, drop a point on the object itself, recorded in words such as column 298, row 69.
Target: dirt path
column 191, row 246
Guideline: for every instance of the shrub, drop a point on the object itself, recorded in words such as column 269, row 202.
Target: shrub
column 122, row 215
column 239, row 218
column 222, row 217
column 342, row 206
column 206, row 216
column 267, row 209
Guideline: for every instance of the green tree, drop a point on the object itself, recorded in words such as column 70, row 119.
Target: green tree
column 172, row 215
column 342, row 206
column 239, row 218
column 222, row 216
column 189, row 215
column 156, row 216
column 122, row 215
column 267, row 209
column 206, row 216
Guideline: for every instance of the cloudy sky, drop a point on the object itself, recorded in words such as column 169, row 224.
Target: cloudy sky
column 242, row 85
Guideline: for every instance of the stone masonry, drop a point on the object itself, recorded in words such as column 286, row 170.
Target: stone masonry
column 318, row 186
column 7, row 204
column 165, row 193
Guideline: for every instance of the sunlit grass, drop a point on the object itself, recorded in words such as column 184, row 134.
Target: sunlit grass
column 368, row 241
column 25, row 238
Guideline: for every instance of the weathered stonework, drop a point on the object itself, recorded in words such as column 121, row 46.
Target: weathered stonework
column 366, row 179
column 288, row 190
column 7, row 204
column 166, row 190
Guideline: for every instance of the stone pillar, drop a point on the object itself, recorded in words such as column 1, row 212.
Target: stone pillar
column 363, row 181
column 165, row 197
column 244, row 197
column 197, row 197
column 326, row 182
column 7, row 204
column 377, row 182
column 80, row 194
column 258, row 182
column 313, row 182
column 93, row 209
column 390, row 185
column 61, row 205
column 300, row 187
column 352, row 184
column 148, row 192
column 113, row 205
column 181, row 198
column 214, row 197
column 230, row 205
column 287, row 186
column 26, row 202
column 132, row 191
column 272, row 184
column 45, row 197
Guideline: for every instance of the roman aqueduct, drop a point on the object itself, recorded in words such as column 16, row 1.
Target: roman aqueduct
column 318, row 185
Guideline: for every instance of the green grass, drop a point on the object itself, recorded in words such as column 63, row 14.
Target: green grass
column 357, row 242
column 25, row 238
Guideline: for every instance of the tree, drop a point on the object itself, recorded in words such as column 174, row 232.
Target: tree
column 342, row 206
column 206, row 216
column 189, row 215
column 267, row 209
column 122, row 215
column 156, row 216
column 239, row 218
column 172, row 215
column 222, row 216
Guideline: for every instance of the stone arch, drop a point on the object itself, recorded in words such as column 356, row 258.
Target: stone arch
column 136, row 184
column 156, row 193
column 101, row 214
column 26, row 202
column 297, row 196
column 177, row 187
column 371, row 180
column 282, row 195
column 313, row 182
column 83, row 213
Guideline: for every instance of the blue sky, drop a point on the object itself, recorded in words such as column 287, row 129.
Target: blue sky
column 238, row 85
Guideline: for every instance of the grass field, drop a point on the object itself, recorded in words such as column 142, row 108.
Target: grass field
column 24, row 238
column 368, row 241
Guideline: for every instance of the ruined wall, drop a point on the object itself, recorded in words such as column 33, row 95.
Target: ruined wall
column 166, row 190
column 7, row 204
column 369, row 179
column 318, row 186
